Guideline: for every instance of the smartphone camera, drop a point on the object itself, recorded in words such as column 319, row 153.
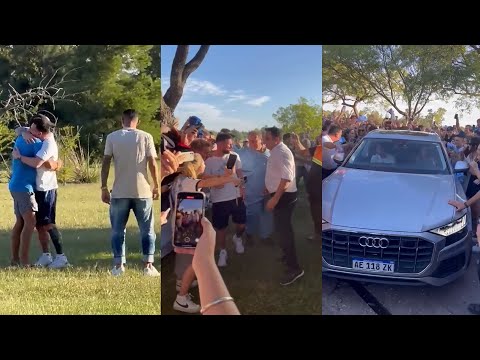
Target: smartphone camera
column 189, row 211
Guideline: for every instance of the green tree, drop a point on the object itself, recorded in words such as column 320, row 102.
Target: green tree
column 432, row 117
column 409, row 73
column 343, row 87
column 303, row 117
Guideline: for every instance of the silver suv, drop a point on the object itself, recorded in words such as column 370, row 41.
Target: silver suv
column 386, row 217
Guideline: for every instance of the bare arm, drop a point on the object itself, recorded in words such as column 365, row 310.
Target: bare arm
column 210, row 282
column 105, row 170
column 20, row 130
column 281, row 189
column 213, row 181
column 153, row 167
column 34, row 162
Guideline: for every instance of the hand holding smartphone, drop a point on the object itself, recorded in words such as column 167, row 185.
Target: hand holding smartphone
column 185, row 157
column 188, row 214
column 232, row 159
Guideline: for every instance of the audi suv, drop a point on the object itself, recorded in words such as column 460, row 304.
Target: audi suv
column 385, row 213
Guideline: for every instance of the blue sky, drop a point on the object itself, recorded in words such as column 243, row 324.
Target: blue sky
column 189, row 205
column 241, row 86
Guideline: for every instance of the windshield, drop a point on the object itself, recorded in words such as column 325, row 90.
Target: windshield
column 402, row 156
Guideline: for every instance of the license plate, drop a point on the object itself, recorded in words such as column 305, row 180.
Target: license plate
column 373, row 265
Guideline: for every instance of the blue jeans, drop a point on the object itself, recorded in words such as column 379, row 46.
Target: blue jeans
column 119, row 213
column 259, row 220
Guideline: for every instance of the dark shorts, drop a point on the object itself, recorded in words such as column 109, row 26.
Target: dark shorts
column 221, row 212
column 23, row 202
column 47, row 205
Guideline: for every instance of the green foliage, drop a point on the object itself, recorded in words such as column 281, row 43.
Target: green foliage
column 303, row 117
column 78, row 165
column 104, row 80
column 7, row 137
column 431, row 117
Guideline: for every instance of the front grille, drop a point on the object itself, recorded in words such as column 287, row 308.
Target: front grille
column 409, row 254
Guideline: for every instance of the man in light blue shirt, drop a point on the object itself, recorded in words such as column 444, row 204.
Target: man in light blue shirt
column 254, row 165
column 22, row 185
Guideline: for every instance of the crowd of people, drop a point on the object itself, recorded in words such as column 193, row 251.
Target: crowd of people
column 340, row 134
column 259, row 194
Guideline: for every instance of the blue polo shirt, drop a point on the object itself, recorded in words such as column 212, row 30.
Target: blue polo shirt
column 24, row 177
column 254, row 167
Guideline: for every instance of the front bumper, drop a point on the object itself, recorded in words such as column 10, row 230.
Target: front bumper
column 446, row 262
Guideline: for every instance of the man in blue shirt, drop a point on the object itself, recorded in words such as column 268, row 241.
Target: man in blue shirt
column 22, row 186
column 254, row 165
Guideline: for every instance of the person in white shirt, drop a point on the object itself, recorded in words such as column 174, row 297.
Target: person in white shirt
column 280, row 184
column 46, row 191
column 227, row 200
column 133, row 152
column 329, row 150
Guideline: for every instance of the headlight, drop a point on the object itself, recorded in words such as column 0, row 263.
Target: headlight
column 451, row 228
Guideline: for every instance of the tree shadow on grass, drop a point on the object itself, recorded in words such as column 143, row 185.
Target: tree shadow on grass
column 85, row 248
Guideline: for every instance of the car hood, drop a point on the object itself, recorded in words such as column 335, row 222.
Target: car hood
column 388, row 201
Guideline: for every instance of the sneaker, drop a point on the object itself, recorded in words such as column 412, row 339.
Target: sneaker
column 151, row 271
column 44, row 260
column 117, row 271
column 59, row 262
column 185, row 304
column 238, row 244
column 222, row 258
column 291, row 276
column 192, row 285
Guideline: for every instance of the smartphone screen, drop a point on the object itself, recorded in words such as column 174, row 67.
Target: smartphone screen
column 189, row 210
column 231, row 161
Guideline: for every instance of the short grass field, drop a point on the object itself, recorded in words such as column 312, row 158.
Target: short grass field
column 87, row 287
column 253, row 277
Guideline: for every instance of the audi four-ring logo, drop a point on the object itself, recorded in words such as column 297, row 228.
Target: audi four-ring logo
column 375, row 242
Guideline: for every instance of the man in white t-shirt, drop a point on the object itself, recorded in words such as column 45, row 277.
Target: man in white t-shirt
column 227, row 200
column 329, row 149
column 133, row 152
column 46, row 190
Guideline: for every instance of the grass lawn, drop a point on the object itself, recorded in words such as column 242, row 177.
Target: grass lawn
column 253, row 277
column 87, row 287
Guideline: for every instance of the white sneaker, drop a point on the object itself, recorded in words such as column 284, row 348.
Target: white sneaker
column 238, row 244
column 44, row 260
column 192, row 285
column 59, row 262
column 117, row 271
column 151, row 271
column 185, row 304
column 222, row 258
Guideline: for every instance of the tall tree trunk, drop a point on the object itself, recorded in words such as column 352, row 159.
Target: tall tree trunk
column 181, row 70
